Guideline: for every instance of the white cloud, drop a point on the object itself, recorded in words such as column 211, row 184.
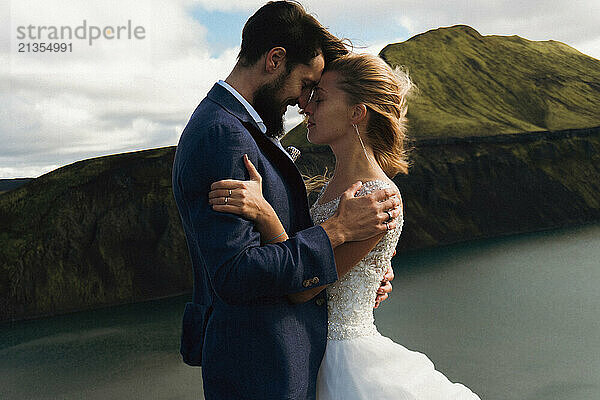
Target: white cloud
column 590, row 47
column 375, row 48
column 292, row 117
column 25, row 170
column 111, row 97
column 229, row 5
column 125, row 95
column 407, row 23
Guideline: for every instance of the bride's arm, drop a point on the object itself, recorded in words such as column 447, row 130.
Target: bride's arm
column 245, row 198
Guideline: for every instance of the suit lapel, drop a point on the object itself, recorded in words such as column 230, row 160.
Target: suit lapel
column 232, row 105
column 284, row 164
column 288, row 170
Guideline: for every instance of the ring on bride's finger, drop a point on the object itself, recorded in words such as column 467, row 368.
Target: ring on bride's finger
column 226, row 199
column 229, row 192
column 389, row 215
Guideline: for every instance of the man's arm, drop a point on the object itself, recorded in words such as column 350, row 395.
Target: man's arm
column 245, row 198
column 239, row 268
column 349, row 253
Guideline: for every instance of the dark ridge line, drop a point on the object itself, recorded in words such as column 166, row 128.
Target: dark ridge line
column 521, row 137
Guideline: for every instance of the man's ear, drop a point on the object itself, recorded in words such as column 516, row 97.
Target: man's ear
column 358, row 113
column 275, row 60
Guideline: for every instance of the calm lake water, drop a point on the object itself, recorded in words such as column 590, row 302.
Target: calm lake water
column 511, row 318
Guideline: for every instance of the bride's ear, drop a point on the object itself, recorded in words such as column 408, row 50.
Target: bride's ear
column 358, row 113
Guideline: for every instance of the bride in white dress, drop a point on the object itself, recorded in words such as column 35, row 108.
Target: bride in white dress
column 361, row 93
column 359, row 362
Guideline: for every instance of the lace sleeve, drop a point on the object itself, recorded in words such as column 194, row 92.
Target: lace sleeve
column 387, row 244
column 320, row 212
column 372, row 186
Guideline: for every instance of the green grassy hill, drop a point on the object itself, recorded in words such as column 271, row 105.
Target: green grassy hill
column 471, row 84
column 10, row 184
column 99, row 231
column 474, row 85
column 107, row 230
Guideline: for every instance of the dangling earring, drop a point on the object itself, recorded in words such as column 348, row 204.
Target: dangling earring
column 373, row 163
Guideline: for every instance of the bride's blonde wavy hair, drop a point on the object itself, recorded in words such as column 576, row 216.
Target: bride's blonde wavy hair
column 367, row 79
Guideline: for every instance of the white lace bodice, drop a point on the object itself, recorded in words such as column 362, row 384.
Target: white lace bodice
column 350, row 300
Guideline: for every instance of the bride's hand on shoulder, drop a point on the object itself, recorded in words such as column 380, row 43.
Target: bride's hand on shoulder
column 243, row 198
column 385, row 287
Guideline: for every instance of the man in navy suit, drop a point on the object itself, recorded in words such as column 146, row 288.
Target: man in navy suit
column 251, row 341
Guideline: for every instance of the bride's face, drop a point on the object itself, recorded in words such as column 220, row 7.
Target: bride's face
column 328, row 112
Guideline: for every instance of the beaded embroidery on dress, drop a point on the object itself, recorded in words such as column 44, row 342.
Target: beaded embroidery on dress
column 350, row 300
column 359, row 362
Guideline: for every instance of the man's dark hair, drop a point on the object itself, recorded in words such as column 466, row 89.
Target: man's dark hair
column 286, row 24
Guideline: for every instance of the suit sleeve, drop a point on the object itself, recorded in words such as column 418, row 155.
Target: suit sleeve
column 239, row 268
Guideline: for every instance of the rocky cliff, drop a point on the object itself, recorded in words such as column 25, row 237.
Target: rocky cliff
column 465, row 188
column 99, row 231
column 106, row 230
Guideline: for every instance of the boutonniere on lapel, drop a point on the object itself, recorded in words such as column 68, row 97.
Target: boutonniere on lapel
column 293, row 152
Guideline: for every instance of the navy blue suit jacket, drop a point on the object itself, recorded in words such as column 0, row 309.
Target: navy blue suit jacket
column 251, row 341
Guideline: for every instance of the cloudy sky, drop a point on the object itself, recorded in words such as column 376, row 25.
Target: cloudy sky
column 124, row 94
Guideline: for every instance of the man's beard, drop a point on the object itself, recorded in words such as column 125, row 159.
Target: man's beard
column 268, row 106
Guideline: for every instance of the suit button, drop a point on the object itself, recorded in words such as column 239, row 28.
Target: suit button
column 320, row 301
column 306, row 283
column 315, row 280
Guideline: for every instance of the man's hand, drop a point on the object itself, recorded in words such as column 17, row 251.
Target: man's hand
column 361, row 218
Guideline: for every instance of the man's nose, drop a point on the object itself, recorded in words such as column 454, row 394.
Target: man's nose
column 303, row 100
column 307, row 110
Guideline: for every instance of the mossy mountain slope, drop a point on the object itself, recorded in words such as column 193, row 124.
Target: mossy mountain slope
column 471, row 84
column 100, row 231
column 107, row 230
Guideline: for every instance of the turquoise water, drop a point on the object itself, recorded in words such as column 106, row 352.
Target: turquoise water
column 512, row 318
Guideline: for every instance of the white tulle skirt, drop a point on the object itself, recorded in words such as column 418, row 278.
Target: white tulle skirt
column 375, row 367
